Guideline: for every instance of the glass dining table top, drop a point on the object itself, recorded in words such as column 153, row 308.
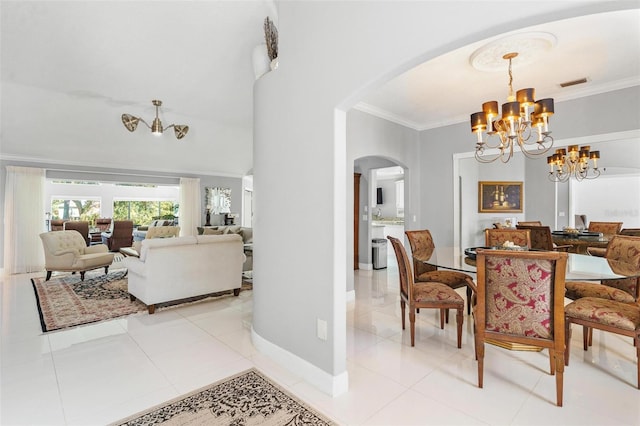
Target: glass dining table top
column 580, row 267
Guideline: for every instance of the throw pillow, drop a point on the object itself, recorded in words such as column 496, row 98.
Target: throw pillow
column 209, row 231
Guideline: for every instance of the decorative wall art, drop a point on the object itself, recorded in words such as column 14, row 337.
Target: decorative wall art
column 499, row 197
column 218, row 200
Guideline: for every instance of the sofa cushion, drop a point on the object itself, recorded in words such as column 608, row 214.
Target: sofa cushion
column 209, row 231
column 232, row 229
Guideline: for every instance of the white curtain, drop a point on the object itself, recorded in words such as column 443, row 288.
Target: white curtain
column 23, row 220
column 190, row 206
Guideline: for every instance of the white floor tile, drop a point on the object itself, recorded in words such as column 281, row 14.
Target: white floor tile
column 97, row 374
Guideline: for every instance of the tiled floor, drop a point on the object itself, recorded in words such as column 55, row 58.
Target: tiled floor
column 97, row 374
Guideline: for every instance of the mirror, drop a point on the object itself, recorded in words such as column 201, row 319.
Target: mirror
column 218, row 200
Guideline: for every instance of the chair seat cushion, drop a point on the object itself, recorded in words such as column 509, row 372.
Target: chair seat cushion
column 89, row 261
column 452, row 279
column 435, row 292
column 606, row 312
column 579, row 289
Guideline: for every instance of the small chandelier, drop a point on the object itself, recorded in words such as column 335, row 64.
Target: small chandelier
column 520, row 114
column 563, row 166
column 131, row 123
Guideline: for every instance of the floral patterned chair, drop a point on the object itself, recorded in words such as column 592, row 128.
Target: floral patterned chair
column 424, row 295
column 497, row 237
column 623, row 249
column 541, row 238
column 422, row 247
column 607, row 315
column 520, row 299
column 610, row 228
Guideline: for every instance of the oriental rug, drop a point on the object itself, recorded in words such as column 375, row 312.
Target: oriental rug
column 246, row 399
column 64, row 301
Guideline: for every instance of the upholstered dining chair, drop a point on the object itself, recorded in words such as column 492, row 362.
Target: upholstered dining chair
column 633, row 232
column 623, row 249
column 424, row 295
column 68, row 251
column 606, row 315
column 120, row 235
column 497, row 237
column 541, row 238
column 81, row 226
column 610, row 228
column 530, row 223
column 422, row 245
column 520, row 299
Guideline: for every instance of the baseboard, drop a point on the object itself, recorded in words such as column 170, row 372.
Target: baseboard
column 331, row 385
column 365, row 266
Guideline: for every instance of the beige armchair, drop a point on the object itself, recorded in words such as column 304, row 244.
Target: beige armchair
column 68, row 251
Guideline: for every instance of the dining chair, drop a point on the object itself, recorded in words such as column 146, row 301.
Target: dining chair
column 605, row 227
column 530, row 223
column 422, row 246
column 431, row 294
column 541, row 238
column 497, row 237
column 606, row 315
column 520, row 300
column 634, row 232
column 82, row 226
column 621, row 249
column 120, row 235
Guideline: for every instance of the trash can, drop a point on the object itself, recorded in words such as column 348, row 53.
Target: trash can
column 379, row 248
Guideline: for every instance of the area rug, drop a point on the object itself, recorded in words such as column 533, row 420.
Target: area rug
column 246, row 399
column 64, row 301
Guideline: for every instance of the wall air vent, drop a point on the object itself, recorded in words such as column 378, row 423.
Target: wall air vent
column 574, row 82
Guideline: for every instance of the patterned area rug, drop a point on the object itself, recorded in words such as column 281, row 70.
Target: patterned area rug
column 246, row 399
column 64, row 301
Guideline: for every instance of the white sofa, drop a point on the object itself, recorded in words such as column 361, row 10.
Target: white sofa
column 171, row 269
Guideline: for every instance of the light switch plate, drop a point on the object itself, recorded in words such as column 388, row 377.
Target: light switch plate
column 322, row 329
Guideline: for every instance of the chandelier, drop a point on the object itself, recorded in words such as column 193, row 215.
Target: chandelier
column 520, row 115
column 563, row 166
column 131, row 123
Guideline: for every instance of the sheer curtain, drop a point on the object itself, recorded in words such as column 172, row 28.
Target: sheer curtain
column 23, row 220
column 190, row 206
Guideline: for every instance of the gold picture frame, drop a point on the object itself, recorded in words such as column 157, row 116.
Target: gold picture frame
column 500, row 197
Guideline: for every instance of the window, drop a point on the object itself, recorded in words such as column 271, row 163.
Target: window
column 87, row 209
column 142, row 212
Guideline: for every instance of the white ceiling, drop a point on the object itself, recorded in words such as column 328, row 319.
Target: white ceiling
column 197, row 58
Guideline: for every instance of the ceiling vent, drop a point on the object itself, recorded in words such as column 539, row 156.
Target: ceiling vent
column 574, row 82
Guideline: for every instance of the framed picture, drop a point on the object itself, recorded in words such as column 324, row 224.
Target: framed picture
column 499, row 197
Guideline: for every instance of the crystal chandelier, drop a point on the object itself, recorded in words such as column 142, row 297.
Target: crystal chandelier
column 131, row 123
column 563, row 166
column 520, row 115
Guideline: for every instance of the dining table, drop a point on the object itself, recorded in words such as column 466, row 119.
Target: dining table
column 580, row 241
column 580, row 267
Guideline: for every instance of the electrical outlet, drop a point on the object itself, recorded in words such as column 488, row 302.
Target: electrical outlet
column 322, row 329
column 561, row 214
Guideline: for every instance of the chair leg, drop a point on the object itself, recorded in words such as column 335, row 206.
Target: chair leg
column 106, row 269
column 469, row 294
column 82, row 275
column 412, row 320
column 567, row 341
column 559, row 362
column 552, row 362
column 459, row 322
column 442, row 315
column 402, row 312
column 446, row 316
column 480, row 356
column 590, row 336
column 585, row 337
column 48, row 275
column 636, row 342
